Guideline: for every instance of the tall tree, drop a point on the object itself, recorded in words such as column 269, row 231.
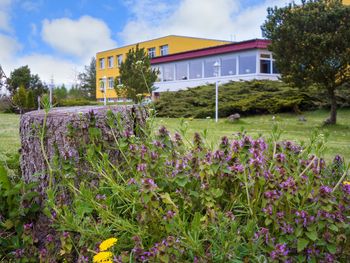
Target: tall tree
column 23, row 77
column 310, row 43
column 88, row 80
column 136, row 73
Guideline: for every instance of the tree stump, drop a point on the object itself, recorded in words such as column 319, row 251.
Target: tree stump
column 58, row 142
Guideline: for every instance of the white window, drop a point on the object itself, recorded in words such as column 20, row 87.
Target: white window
column 209, row 69
column 168, row 74
column 267, row 64
column 196, row 69
column 247, row 64
column 119, row 59
column 152, row 52
column 102, row 84
column 164, row 50
column 102, row 63
column 228, row 66
column 181, row 71
column 110, row 82
column 110, row 62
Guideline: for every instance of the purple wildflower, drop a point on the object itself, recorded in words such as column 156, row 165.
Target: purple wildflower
column 280, row 157
column 281, row 250
column 131, row 181
column 325, row 190
column 141, row 167
column 149, row 184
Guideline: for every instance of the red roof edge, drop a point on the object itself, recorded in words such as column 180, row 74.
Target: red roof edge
column 216, row 50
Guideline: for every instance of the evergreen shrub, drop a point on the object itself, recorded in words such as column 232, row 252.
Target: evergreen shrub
column 248, row 97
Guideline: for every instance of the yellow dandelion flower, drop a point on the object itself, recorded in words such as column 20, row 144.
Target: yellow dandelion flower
column 103, row 257
column 108, row 243
column 346, row 183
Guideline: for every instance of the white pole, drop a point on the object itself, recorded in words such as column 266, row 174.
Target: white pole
column 216, row 101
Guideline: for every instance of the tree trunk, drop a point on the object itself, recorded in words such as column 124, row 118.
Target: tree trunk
column 333, row 114
column 59, row 142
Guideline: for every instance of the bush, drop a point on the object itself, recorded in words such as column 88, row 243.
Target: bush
column 5, row 104
column 75, row 102
column 250, row 97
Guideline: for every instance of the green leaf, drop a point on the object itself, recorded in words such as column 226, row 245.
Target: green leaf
column 181, row 181
column 332, row 248
column 302, row 244
column 4, row 180
column 312, row 235
column 217, row 192
column 333, row 227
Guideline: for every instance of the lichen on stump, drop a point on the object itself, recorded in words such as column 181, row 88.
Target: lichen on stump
column 60, row 142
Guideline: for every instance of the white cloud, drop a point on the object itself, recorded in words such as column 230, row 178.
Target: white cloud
column 222, row 19
column 47, row 66
column 5, row 15
column 81, row 38
column 9, row 48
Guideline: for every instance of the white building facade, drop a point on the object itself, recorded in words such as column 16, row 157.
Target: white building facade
column 238, row 61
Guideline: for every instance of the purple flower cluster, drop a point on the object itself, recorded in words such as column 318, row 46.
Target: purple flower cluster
column 303, row 218
column 148, row 184
column 289, row 185
column 280, row 252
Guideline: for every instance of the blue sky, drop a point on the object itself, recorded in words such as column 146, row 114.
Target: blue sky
column 58, row 37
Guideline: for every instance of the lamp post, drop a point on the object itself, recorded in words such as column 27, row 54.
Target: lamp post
column 217, row 73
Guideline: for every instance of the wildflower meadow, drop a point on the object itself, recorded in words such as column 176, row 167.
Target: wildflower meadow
column 161, row 197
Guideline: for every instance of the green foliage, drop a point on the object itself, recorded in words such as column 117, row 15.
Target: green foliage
column 172, row 199
column 250, row 97
column 30, row 103
column 310, row 43
column 20, row 98
column 21, row 77
column 60, row 93
column 136, row 73
column 17, row 211
column 88, row 80
column 70, row 102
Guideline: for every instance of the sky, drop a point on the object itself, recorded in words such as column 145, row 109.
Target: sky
column 57, row 38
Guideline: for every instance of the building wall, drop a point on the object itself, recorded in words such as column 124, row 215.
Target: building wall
column 175, row 44
column 234, row 66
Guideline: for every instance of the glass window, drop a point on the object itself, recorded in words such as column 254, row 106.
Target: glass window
column 265, row 66
column 111, row 82
column 119, row 59
column 152, row 52
column 247, row 64
column 168, row 72
column 209, row 70
column 102, row 63
column 181, row 71
column 102, row 84
column 228, row 66
column 196, row 69
column 265, row 55
column 110, row 62
column 164, row 50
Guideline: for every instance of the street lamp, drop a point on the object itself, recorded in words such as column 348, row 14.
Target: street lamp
column 217, row 73
column 103, row 89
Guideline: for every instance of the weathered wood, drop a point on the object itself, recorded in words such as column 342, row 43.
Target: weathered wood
column 59, row 141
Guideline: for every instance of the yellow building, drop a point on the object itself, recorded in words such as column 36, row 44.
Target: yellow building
column 107, row 62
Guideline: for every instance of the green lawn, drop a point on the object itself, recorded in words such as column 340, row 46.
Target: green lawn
column 338, row 141
column 9, row 133
column 338, row 136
